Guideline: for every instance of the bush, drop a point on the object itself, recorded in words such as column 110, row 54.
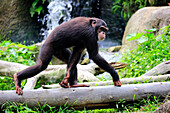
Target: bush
column 152, row 50
column 19, row 53
column 127, row 8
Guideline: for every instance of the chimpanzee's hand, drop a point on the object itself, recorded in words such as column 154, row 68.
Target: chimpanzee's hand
column 117, row 83
column 18, row 88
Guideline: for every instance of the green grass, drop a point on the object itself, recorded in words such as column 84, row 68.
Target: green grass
column 10, row 107
column 15, row 52
column 7, row 83
column 146, row 105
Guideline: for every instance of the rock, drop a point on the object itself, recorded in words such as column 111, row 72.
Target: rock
column 145, row 18
column 115, row 48
column 85, row 61
column 16, row 23
column 165, row 108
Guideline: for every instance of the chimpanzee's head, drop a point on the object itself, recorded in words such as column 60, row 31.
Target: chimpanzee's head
column 100, row 27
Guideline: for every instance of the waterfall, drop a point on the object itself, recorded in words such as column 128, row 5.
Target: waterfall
column 59, row 12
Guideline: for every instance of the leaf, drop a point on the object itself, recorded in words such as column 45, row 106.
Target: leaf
column 151, row 30
column 158, row 37
column 24, row 50
column 32, row 12
column 39, row 9
column 13, row 52
column 21, row 49
column 124, row 15
column 35, row 3
column 168, row 32
column 131, row 37
column 5, row 43
column 142, row 39
column 115, row 8
column 43, row 1
column 138, row 35
column 134, row 97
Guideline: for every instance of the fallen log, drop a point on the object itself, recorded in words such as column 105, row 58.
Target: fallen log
column 90, row 97
column 146, row 79
column 160, row 69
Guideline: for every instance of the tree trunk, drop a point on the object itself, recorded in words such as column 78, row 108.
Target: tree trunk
column 90, row 97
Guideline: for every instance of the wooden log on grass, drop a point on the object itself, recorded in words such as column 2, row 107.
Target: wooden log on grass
column 91, row 97
column 146, row 79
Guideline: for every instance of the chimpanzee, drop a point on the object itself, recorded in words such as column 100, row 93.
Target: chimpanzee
column 79, row 33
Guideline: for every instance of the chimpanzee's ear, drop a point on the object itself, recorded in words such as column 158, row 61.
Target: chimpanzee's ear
column 93, row 22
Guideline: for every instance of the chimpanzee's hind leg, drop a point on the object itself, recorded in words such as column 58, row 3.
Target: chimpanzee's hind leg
column 71, row 73
column 44, row 58
column 64, row 55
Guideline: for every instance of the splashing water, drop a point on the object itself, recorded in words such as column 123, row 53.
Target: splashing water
column 59, row 12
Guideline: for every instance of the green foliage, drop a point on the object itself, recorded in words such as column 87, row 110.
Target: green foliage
column 12, row 107
column 150, row 104
column 19, row 53
column 146, row 105
column 151, row 51
column 7, row 83
column 141, row 37
column 127, row 7
column 37, row 7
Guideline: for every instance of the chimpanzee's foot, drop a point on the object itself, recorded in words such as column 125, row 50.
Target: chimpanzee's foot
column 75, row 84
column 18, row 88
column 64, row 83
column 79, row 85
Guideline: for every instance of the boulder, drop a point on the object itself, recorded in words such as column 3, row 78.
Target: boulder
column 16, row 23
column 165, row 108
column 85, row 61
column 145, row 18
column 114, row 48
